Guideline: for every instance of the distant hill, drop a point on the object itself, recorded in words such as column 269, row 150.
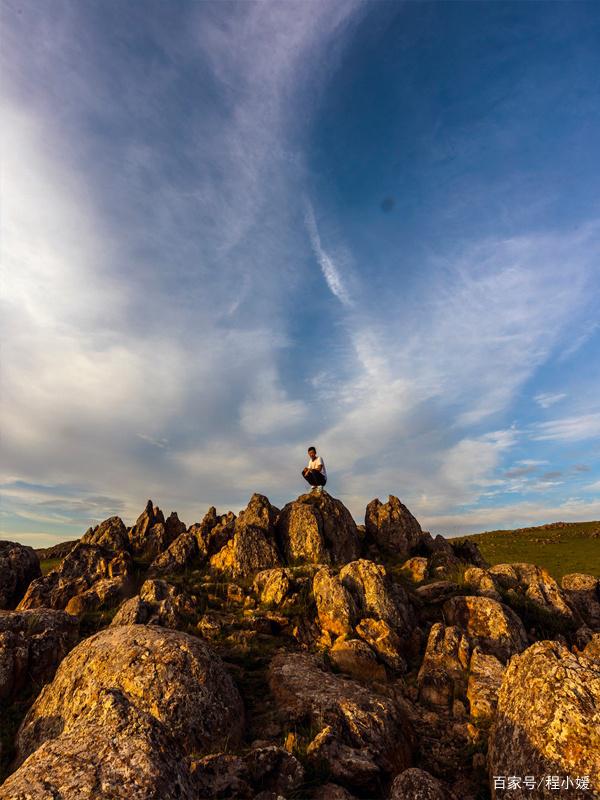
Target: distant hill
column 560, row 547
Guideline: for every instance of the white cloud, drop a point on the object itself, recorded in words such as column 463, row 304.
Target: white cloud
column 568, row 429
column 329, row 269
column 547, row 399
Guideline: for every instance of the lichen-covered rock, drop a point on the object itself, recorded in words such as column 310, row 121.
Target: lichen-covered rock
column 110, row 534
column 436, row 592
column 121, row 753
column 32, row 644
column 259, row 513
column 272, row 768
column 319, row 529
column 213, row 533
column 592, row 648
column 157, row 603
column 442, row 677
column 103, row 594
column 490, row 624
column 273, row 585
column 485, row 677
column 443, row 563
column 548, row 718
column 468, row 552
column 415, row 568
column 79, row 571
column 375, row 596
column 19, row 565
column 151, row 534
column 481, row 582
column 363, row 733
column 174, row 677
column 392, row 527
column 250, row 551
column 582, row 593
column 179, row 555
column 528, row 582
column 335, row 606
column 384, row 641
column 355, row 658
column 416, row 784
column 222, row 776
column 332, row 791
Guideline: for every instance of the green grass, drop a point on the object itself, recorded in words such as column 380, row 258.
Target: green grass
column 560, row 550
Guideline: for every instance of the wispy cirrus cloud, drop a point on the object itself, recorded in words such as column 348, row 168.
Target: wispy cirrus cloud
column 547, row 399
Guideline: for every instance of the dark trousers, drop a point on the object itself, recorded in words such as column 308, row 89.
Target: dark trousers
column 314, row 477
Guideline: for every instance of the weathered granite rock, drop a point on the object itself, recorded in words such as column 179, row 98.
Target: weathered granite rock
column 582, row 593
column 392, row 527
column 79, row 571
column 272, row 768
column 335, row 606
column 332, row 791
column 259, row 513
column 122, row 752
column 273, row 585
column 490, row 624
column 468, row 552
column 416, row 784
column 355, row 658
column 415, row 568
column 363, row 733
column 375, row 596
column 485, row 677
column 179, row 555
column 151, row 534
column 19, row 565
column 481, row 582
column 213, row 533
column 592, row 648
column 222, row 776
column 32, row 644
column 103, row 594
column 158, row 603
column 548, row 718
column 443, row 562
column 56, row 551
column 110, row 534
column 534, row 584
column 384, row 641
column 436, row 592
column 174, row 677
column 319, row 529
column 442, row 677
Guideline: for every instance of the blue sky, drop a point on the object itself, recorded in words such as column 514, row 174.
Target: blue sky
column 231, row 230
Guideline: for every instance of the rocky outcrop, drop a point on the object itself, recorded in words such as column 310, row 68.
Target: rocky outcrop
column 592, row 648
column 491, row 625
column 384, row 640
column 415, row 568
column 481, row 582
column 158, row 603
column 335, row 606
column 32, row 644
column 375, row 595
column 213, row 533
column 175, row 678
column 582, row 593
column 79, row 571
column 362, row 734
column 355, row 658
column 179, row 555
column 19, row 565
column 392, row 527
column 529, row 584
column 273, row 586
column 442, row 677
column 252, row 547
column 103, row 594
column 152, row 534
column 548, row 718
column 56, row 551
column 318, row 529
column 416, row 784
column 110, row 534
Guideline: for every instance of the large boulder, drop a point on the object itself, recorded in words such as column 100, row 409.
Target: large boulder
column 481, row 582
column 174, row 677
column 19, row 565
column 417, row 784
column 110, row 534
column 442, row 677
column 392, row 527
column 318, row 529
column 363, row 735
column 253, row 546
column 355, row 658
column 527, row 585
column 485, row 678
column 582, row 593
column 375, row 595
column 335, row 606
column 490, row 624
column 548, row 719
column 32, row 644
column 79, row 571
column 122, row 752
column 103, row 594
column 179, row 555
column 384, row 641
column 273, row 586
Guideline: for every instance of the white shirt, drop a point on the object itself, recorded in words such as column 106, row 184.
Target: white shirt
column 313, row 463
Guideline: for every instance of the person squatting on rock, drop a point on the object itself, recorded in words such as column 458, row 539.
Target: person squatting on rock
column 315, row 473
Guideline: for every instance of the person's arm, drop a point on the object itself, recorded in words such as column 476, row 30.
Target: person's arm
column 319, row 466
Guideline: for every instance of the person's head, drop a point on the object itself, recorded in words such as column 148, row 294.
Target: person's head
column 312, row 452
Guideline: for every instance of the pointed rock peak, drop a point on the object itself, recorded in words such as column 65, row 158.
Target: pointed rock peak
column 392, row 527
column 259, row 512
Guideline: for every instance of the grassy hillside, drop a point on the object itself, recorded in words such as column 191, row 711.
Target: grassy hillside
column 560, row 547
